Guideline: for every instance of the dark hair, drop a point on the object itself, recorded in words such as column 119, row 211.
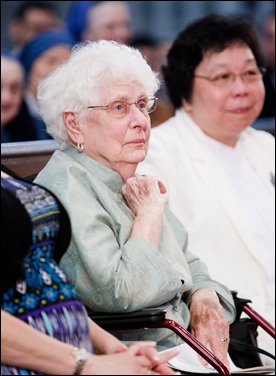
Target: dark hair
column 212, row 33
column 27, row 5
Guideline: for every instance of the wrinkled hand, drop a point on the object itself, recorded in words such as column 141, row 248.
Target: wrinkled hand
column 141, row 192
column 209, row 325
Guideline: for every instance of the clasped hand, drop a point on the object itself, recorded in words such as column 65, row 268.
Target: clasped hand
column 143, row 192
column 140, row 358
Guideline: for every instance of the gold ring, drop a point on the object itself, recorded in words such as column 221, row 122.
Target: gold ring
column 224, row 339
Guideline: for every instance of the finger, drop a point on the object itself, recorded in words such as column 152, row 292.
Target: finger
column 121, row 348
column 136, row 347
column 220, row 349
column 151, row 354
column 216, row 346
column 162, row 187
column 202, row 339
column 165, row 356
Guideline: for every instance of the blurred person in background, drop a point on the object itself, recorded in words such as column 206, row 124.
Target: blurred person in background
column 267, row 38
column 16, row 122
column 76, row 19
column 39, row 57
column 30, row 19
column 266, row 119
column 94, row 20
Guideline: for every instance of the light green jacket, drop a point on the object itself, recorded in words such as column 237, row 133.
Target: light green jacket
column 111, row 271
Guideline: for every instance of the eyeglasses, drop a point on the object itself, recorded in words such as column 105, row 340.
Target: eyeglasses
column 120, row 108
column 227, row 79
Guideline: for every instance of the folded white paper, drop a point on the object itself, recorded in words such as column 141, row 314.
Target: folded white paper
column 187, row 360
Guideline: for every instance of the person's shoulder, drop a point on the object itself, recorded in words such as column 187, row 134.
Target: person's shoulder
column 64, row 167
column 54, row 166
column 263, row 138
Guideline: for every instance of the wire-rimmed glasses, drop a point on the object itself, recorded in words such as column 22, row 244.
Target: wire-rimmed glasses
column 226, row 79
column 120, row 108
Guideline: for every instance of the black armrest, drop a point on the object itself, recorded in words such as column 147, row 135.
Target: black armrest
column 130, row 320
column 155, row 318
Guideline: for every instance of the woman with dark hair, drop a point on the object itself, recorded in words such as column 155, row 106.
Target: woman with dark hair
column 218, row 170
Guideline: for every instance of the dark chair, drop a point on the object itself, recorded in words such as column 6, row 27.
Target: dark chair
column 243, row 346
column 156, row 318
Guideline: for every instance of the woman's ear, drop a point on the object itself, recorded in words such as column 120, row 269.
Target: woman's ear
column 73, row 129
column 187, row 105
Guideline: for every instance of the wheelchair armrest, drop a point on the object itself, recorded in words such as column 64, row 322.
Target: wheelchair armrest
column 155, row 318
column 130, row 320
column 242, row 306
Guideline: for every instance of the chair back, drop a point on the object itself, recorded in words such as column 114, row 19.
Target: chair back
column 27, row 158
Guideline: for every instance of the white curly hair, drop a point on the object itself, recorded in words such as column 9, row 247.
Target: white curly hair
column 78, row 82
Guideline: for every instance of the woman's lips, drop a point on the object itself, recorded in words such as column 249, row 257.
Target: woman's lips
column 241, row 110
column 137, row 142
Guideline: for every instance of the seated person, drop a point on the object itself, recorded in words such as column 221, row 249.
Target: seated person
column 16, row 121
column 39, row 57
column 128, row 251
column 218, row 170
column 29, row 19
column 40, row 311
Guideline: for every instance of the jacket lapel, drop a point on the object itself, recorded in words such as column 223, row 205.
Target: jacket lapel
column 216, row 181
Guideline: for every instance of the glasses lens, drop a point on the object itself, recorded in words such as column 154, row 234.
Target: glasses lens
column 223, row 80
column 252, row 75
column 118, row 109
column 151, row 105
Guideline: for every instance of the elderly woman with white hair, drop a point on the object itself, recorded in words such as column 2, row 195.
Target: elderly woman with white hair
column 128, row 251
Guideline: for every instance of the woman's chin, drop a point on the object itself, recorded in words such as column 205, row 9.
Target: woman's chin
column 138, row 156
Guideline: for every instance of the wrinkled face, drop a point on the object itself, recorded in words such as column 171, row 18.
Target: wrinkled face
column 223, row 112
column 118, row 142
column 45, row 64
column 11, row 89
column 109, row 20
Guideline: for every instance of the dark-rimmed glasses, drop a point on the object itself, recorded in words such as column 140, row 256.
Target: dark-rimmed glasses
column 120, row 108
column 227, row 79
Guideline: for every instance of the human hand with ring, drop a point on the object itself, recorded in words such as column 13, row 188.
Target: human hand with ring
column 209, row 324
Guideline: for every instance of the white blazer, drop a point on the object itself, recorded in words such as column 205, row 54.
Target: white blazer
column 201, row 195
